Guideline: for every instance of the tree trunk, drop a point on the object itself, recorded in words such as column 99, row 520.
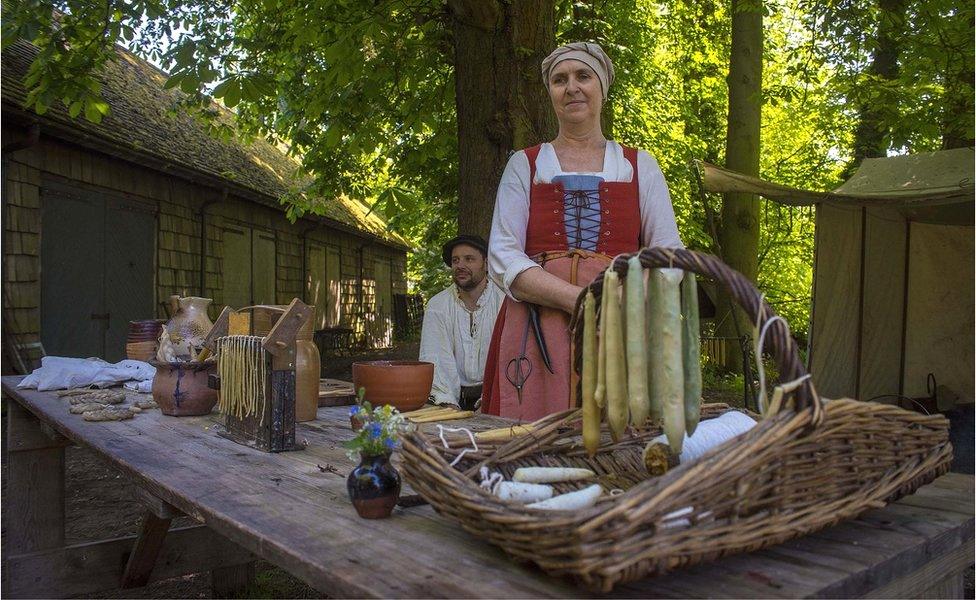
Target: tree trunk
column 739, row 233
column 872, row 127
column 502, row 104
column 589, row 25
column 957, row 119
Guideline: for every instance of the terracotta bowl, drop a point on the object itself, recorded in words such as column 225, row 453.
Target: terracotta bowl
column 403, row 384
column 180, row 388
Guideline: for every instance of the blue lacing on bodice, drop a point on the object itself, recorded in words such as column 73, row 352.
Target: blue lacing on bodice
column 581, row 210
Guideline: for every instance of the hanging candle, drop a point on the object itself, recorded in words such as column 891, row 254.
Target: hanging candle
column 638, row 400
column 616, row 378
column 591, row 412
column 667, row 373
column 690, row 344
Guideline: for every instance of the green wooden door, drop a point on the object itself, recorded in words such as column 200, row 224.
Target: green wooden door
column 316, row 285
column 383, row 324
column 249, row 266
column 263, row 267
column 130, row 232
column 322, row 285
column 96, row 270
column 236, row 273
column 333, row 298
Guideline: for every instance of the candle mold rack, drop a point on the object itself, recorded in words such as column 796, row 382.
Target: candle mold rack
column 256, row 377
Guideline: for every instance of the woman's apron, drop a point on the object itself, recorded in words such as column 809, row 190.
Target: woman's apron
column 544, row 393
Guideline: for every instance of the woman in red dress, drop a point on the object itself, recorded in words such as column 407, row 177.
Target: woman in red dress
column 562, row 211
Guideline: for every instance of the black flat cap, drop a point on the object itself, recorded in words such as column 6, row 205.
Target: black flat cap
column 475, row 241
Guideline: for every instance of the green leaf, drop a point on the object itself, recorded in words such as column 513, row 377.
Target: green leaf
column 232, row 95
column 173, row 81
column 222, row 87
column 75, row 109
column 91, row 112
column 251, row 93
column 189, row 83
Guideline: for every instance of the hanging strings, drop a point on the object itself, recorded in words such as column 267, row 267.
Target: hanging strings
column 241, row 361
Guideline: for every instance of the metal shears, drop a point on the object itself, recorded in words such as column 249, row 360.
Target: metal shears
column 519, row 368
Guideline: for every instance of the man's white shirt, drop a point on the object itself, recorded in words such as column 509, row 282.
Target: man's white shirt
column 456, row 340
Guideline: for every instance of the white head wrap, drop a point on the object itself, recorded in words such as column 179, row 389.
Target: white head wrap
column 590, row 54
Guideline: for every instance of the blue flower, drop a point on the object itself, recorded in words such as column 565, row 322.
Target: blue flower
column 374, row 430
column 353, row 410
column 390, row 444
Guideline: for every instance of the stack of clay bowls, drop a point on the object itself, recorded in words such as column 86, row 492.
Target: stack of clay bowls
column 142, row 339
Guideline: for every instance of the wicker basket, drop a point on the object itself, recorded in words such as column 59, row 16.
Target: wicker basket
column 810, row 465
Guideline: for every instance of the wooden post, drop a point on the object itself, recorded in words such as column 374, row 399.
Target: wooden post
column 34, row 503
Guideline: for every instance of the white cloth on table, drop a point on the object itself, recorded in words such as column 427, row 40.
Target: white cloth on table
column 144, row 386
column 506, row 249
column 456, row 340
column 62, row 373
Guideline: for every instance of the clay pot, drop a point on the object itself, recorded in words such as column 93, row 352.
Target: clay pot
column 144, row 331
column 180, row 388
column 374, row 486
column 403, row 384
column 142, row 339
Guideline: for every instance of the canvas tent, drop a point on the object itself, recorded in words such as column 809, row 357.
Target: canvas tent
column 893, row 296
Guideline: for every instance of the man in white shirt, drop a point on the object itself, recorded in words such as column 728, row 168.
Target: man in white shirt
column 458, row 323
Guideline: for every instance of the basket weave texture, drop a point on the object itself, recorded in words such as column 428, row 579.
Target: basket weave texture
column 808, row 466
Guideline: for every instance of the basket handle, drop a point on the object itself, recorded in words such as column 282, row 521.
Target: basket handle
column 782, row 346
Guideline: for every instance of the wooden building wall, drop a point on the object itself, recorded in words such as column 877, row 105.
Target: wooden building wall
column 177, row 203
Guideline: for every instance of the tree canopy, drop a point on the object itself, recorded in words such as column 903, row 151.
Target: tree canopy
column 366, row 93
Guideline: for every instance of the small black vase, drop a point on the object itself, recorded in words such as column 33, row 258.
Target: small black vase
column 374, row 486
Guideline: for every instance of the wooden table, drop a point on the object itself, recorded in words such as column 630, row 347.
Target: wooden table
column 292, row 510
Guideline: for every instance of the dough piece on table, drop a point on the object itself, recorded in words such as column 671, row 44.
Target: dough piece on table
column 111, row 413
column 77, row 409
column 145, row 403
column 100, row 396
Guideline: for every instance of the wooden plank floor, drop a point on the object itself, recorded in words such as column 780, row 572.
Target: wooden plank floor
column 293, row 510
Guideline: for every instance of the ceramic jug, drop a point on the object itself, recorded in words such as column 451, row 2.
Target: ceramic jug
column 191, row 324
column 308, row 367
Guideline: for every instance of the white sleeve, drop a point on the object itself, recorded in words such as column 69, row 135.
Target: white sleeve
column 437, row 346
column 658, row 227
column 506, row 247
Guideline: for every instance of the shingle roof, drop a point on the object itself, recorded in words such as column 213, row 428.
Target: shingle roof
column 143, row 121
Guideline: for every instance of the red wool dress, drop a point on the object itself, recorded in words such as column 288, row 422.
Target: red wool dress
column 545, row 393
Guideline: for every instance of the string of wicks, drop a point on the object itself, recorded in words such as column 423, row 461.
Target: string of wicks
column 440, row 432
column 243, row 376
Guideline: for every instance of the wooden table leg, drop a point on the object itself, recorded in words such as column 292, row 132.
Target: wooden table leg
column 34, row 502
column 145, row 551
column 142, row 559
column 226, row 581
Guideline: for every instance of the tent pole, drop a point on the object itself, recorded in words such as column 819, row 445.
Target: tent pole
column 904, row 307
column 860, row 306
